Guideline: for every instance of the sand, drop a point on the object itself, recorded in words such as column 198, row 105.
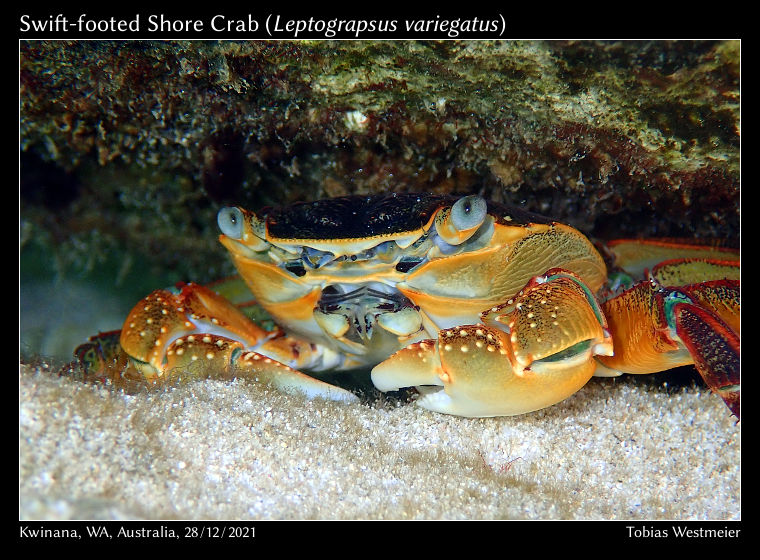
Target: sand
column 230, row 449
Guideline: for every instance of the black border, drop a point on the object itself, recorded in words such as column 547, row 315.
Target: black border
column 491, row 534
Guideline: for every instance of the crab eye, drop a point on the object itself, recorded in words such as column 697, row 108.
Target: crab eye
column 469, row 212
column 459, row 223
column 230, row 220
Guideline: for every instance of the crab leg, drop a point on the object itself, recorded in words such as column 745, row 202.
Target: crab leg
column 100, row 359
column 715, row 348
column 635, row 256
column 640, row 335
column 655, row 329
column 679, row 272
column 194, row 329
column 721, row 297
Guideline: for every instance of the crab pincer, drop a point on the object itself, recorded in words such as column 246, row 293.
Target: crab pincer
column 531, row 352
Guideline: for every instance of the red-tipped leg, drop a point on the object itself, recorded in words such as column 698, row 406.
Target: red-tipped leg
column 715, row 349
column 101, row 359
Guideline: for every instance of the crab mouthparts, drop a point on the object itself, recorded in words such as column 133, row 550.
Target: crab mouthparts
column 351, row 312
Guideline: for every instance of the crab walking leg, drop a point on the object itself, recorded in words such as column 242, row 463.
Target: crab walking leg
column 640, row 333
column 535, row 350
column 636, row 256
column 102, row 359
column 656, row 329
column 679, row 272
column 721, row 297
column 715, row 348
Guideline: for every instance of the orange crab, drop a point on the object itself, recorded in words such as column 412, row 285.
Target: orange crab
column 487, row 309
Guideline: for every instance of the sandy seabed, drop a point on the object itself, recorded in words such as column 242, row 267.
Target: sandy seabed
column 231, row 449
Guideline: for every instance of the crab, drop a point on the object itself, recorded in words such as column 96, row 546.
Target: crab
column 484, row 308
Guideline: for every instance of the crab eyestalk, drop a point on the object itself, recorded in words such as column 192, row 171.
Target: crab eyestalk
column 242, row 228
column 457, row 224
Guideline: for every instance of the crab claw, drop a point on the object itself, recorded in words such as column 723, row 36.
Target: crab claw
column 415, row 365
column 193, row 329
column 524, row 360
column 218, row 353
column 102, row 359
column 164, row 315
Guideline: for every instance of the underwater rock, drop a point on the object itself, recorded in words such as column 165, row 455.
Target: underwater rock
column 133, row 146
